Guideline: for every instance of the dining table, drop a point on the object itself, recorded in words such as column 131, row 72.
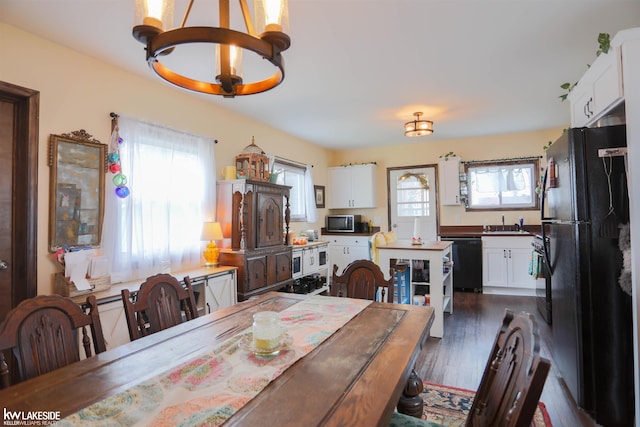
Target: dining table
column 341, row 362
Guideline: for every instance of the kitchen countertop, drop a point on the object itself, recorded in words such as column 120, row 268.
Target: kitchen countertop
column 310, row 244
column 407, row 245
column 324, row 232
column 476, row 231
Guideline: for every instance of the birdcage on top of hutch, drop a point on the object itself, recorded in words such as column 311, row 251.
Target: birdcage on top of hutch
column 252, row 163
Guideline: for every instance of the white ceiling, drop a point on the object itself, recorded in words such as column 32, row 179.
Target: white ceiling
column 358, row 69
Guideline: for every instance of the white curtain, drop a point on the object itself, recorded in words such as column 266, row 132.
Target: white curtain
column 171, row 177
column 310, row 199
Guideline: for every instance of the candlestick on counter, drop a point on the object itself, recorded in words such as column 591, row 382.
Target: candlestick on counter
column 416, row 239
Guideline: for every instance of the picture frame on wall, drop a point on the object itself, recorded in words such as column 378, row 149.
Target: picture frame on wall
column 319, row 192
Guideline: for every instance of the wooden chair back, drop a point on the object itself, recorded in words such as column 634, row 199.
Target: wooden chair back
column 362, row 279
column 160, row 303
column 512, row 381
column 42, row 333
column 513, row 378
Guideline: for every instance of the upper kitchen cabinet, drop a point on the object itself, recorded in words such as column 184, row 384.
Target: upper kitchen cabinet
column 599, row 89
column 449, row 177
column 352, row 186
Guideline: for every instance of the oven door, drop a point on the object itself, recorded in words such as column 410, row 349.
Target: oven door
column 323, row 256
column 296, row 264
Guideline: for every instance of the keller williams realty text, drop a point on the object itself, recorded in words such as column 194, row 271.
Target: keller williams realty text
column 30, row 418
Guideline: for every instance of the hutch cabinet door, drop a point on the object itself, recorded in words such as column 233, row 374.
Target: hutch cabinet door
column 256, row 273
column 283, row 266
column 270, row 219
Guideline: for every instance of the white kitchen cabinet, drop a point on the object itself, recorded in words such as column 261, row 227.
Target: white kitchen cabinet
column 431, row 275
column 352, row 186
column 220, row 291
column 345, row 249
column 505, row 267
column 114, row 323
column 315, row 259
column 449, row 177
column 599, row 89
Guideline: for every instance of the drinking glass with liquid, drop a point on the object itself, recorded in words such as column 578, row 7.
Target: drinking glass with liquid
column 267, row 331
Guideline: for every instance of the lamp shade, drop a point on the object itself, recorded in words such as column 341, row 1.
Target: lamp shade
column 211, row 231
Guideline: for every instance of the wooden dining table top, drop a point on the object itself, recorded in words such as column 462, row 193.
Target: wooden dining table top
column 355, row 377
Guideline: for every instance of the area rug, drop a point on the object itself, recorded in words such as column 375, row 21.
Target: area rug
column 449, row 406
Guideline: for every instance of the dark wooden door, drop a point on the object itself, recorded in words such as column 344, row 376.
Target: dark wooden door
column 256, row 273
column 270, row 219
column 283, row 266
column 18, row 194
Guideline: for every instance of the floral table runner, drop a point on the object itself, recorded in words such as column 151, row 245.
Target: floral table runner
column 210, row 388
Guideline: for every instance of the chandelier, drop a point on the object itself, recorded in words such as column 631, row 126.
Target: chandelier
column 154, row 20
column 418, row 127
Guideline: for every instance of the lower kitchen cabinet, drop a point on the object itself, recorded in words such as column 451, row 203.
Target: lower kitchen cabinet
column 505, row 268
column 114, row 323
column 215, row 292
column 345, row 249
column 260, row 270
column 310, row 262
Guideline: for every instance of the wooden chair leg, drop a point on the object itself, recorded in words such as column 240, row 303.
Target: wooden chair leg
column 411, row 402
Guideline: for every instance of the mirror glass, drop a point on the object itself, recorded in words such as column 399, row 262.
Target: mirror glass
column 78, row 165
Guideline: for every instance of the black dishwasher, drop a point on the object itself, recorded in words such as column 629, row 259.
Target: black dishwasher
column 467, row 263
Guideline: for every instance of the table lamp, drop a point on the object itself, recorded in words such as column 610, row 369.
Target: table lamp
column 211, row 231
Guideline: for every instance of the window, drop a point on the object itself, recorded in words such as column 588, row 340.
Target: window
column 157, row 227
column 412, row 194
column 301, row 195
column 502, row 185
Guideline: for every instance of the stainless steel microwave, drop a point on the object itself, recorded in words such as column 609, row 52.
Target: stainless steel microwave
column 342, row 223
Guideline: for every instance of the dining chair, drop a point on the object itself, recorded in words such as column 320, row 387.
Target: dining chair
column 160, row 303
column 42, row 333
column 512, row 381
column 362, row 279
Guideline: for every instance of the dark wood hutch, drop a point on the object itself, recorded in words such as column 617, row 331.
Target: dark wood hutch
column 254, row 216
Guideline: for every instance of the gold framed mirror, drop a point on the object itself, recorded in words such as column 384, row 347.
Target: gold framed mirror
column 78, row 164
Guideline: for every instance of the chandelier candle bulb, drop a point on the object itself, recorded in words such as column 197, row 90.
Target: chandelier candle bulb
column 152, row 22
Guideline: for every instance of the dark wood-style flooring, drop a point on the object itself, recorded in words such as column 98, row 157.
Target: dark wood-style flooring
column 459, row 358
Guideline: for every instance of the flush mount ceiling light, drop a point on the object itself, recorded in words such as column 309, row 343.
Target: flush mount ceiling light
column 267, row 39
column 418, row 127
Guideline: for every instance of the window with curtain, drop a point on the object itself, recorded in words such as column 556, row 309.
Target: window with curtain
column 502, row 185
column 301, row 198
column 157, row 228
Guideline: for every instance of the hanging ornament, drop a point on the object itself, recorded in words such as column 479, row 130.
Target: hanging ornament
column 122, row 192
column 119, row 179
column 113, row 158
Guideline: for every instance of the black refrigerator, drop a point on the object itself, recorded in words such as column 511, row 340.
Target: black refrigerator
column 592, row 315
